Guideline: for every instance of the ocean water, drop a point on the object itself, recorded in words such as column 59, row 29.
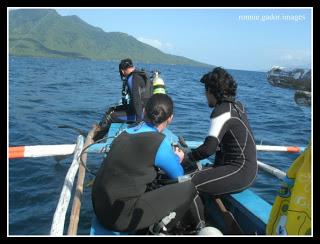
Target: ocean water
column 45, row 93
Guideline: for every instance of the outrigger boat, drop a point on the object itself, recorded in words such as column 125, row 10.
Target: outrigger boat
column 241, row 213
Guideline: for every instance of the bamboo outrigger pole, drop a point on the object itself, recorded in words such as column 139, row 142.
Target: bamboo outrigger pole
column 272, row 170
column 68, row 149
column 57, row 225
column 75, row 212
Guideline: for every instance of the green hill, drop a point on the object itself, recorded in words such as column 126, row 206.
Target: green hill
column 45, row 33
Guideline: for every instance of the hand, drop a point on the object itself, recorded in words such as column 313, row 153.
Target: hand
column 185, row 150
column 179, row 152
column 189, row 164
column 98, row 133
column 97, row 128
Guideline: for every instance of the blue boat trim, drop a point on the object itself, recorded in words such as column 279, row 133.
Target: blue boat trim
column 115, row 129
column 255, row 204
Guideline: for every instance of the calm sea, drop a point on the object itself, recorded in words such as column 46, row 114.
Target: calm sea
column 45, row 93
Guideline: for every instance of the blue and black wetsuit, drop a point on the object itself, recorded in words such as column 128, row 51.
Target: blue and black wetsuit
column 139, row 90
column 120, row 198
column 235, row 166
column 136, row 91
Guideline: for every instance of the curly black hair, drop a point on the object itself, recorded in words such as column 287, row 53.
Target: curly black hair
column 220, row 83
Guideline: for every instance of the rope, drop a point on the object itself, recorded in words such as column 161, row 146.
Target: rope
column 84, row 149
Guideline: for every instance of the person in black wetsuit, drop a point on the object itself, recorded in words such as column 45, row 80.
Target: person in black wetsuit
column 136, row 90
column 121, row 195
column 230, row 138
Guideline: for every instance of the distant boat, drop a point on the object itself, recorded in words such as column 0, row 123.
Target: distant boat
column 298, row 78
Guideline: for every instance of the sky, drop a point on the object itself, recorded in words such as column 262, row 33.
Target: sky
column 238, row 38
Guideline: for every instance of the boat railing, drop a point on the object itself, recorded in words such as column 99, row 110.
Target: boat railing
column 75, row 211
column 79, row 162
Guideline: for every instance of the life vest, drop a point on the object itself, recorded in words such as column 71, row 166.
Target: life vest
column 291, row 211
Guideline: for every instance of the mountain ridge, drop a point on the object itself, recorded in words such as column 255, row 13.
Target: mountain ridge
column 45, row 33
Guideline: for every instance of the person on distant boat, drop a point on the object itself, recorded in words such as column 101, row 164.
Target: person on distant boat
column 136, row 90
column 230, row 138
column 123, row 195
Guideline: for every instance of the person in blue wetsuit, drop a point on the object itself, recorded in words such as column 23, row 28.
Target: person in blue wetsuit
column 230, row 138
column 121, row 196
column 136, row 90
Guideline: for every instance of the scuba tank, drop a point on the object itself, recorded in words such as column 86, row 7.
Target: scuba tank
column 154, row 87
column 158, row 83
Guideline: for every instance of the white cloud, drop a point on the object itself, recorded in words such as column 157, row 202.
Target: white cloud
column 287, row 57
column 156, row 43
column 295, row 57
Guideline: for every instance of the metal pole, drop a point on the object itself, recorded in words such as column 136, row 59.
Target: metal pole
column 272, row 170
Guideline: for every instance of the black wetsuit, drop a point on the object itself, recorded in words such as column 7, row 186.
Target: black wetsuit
column 235, row 166
column 137, row 89
column 120, row 195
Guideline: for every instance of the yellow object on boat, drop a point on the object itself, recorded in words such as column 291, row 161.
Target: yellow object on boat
column 291, row 211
